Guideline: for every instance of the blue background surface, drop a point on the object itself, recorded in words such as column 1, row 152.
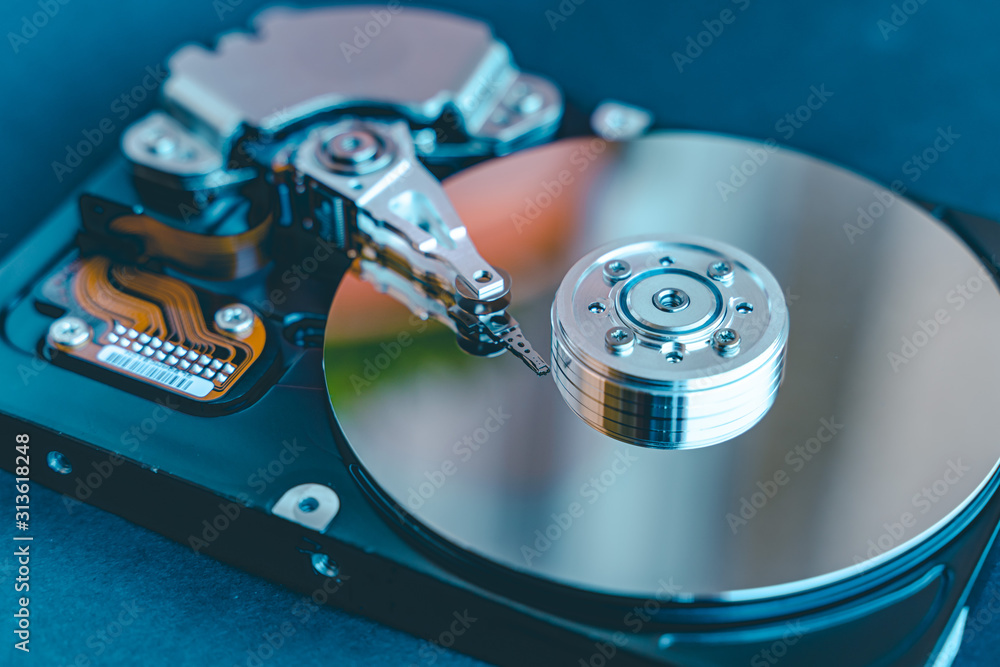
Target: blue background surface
column 892, row 91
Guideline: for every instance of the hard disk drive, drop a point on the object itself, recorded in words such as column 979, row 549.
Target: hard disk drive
column 417, row 333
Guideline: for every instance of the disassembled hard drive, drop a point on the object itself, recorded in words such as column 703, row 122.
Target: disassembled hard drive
column 299, row 248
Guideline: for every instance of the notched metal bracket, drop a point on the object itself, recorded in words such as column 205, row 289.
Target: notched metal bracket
column 311, row 505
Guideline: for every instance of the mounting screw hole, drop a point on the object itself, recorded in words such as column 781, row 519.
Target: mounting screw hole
column 309, row 504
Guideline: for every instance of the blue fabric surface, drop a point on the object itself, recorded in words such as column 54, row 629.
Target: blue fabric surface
column 898, row 72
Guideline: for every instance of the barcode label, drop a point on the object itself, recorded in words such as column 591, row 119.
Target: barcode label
column 154, row 371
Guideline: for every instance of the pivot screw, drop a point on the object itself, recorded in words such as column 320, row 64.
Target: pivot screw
column 617, row 269
column 352, row 147
column 235, row 319
column 721, row 271
column 166, row 145
column 726, row 341
column 69, row 331
column 619, row 340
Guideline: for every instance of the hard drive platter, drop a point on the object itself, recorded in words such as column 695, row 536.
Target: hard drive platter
column 878, row 439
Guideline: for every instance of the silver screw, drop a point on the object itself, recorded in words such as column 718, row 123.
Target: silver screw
column 352, row 147
column 235, row 319
column 323, row 565
column 726, row 341
column 721, row 271
column 425, row 141
column 617, row 269
column 166, row 145
column 619, row 340
column 615, row 121
column 69, row 331
column 520, row 102
column 529, row 103
column 162, row 144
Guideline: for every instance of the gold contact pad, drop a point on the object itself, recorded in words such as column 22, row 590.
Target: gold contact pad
column 128, row 301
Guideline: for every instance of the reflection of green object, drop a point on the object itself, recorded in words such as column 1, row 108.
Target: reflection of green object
column 354, row 368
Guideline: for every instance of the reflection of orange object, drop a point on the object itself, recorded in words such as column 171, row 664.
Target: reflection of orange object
column 519, row 210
